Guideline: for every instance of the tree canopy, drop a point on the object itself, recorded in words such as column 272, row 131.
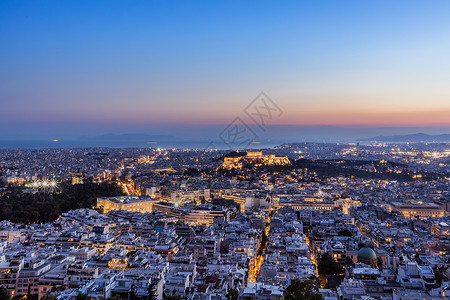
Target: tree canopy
column 22, row 207
column 232, row 294
column 328, row 266
column 152, row 293
column 299, row 290
column 4, row 295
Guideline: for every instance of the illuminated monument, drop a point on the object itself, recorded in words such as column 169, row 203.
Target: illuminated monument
column 255, row 158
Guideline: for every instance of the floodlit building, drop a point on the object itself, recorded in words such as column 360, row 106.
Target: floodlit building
column 256, row 158
column 418, row 210
column 128, row 203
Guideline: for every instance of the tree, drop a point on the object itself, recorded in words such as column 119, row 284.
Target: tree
column 29, row 291
column 232, row 294
column 379, row 263
column 151, row 289
column 132, row 295
column 4, row 295
column 237, row 282
column 328, row 266
column 299, row 290
column 439, row 276
column 345, row 232
column 82, row 296
column 262, row 245
column 348, row 261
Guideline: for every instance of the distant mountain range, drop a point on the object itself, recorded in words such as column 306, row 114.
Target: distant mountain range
column 410, row 138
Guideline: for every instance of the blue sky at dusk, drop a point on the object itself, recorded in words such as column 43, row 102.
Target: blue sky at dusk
column 71, row 68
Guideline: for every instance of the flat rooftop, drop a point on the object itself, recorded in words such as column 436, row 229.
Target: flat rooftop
column 128, row 199
column 415, row 205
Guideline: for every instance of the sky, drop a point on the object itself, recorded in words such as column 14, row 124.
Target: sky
column 71, row 68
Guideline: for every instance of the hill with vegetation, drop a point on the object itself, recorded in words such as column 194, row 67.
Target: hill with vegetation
column 19, row 205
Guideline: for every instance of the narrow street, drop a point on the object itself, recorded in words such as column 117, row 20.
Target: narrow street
column 256, row 264
column 314, row 260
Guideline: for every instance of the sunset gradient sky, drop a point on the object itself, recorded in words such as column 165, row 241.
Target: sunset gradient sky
column 99, row 65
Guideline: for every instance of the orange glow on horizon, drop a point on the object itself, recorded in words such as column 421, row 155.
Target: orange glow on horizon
column 366, row 118
column 301, row 113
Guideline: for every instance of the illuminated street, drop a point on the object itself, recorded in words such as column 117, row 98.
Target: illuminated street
column 314, row 260
column 256, row 264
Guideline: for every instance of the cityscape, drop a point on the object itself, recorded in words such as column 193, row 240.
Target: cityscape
column 224, row 150
column 331, row 221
